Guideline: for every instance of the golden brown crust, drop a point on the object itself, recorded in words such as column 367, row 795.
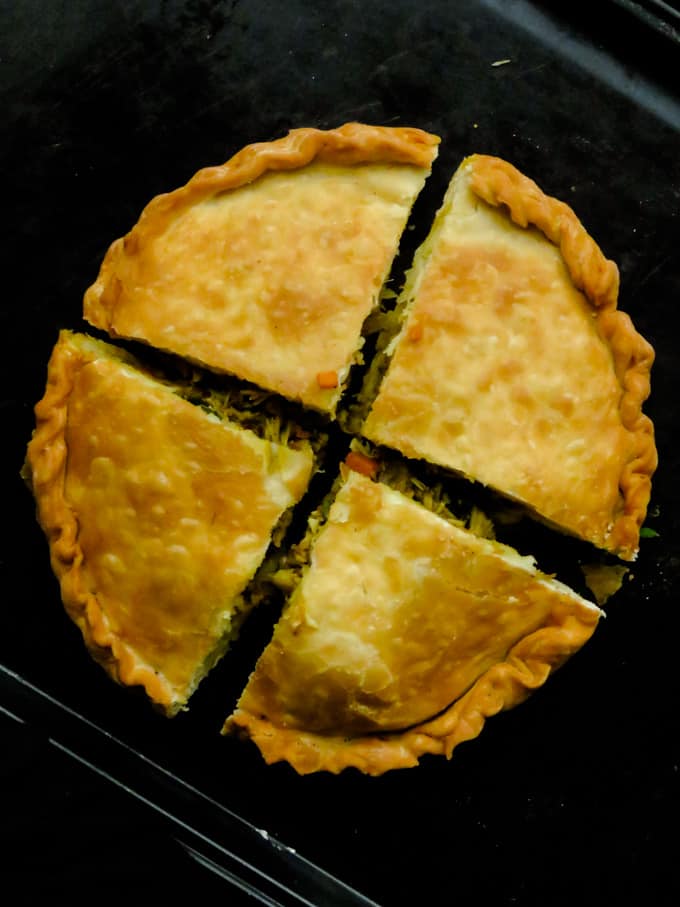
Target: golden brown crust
column 134, row 488
column 514, row 366
column 348, row 145
column 506, row 684
column 136, row 296
column 500, row 184
column 438, row 622
column 364, row 741
column 47, row 460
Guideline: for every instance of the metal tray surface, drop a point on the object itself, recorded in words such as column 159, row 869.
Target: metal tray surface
column 562, row 800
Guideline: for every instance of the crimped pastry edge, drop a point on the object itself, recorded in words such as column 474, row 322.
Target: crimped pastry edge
column 46, row 462
column 526, row 667
column 350, row 144
column 500, row 184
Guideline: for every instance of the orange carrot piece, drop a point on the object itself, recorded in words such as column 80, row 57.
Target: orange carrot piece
column 415, row 332
column 359, row 462
column 327, row 379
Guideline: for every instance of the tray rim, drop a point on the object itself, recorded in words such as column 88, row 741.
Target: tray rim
column 26, row 703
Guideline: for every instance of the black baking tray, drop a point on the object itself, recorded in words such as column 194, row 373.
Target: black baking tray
column 565, row 799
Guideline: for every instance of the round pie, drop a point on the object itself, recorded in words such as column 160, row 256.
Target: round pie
column 168, row 504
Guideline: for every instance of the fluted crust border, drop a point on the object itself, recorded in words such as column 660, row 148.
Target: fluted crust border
column 348, row 145
column 46, row 462
column 526, row 667
column 500, row 184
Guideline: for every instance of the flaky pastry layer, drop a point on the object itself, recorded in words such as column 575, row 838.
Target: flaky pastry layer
column 514, row 365
column 405, row 633
column 157, row 515
column 267, row 266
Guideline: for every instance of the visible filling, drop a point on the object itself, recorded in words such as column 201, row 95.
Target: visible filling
column 280, row 314
column 175, row 512
column 381, row 327
column 259, row 411
column 396, row 616
column 476, row 382
column 284, row 570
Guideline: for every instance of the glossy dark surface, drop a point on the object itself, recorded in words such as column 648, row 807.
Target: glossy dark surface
column 564, row 800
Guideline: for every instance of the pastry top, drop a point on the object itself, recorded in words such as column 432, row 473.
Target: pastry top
column 514, row 366
column 400, row 614
column 157, row 514
column 267, row 266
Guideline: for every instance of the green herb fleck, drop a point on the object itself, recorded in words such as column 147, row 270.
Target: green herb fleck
column 648, row 533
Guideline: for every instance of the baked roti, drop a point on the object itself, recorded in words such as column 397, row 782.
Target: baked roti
column 403, row 635
column 157, row 515
column 513, row 365
column 267, row 267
